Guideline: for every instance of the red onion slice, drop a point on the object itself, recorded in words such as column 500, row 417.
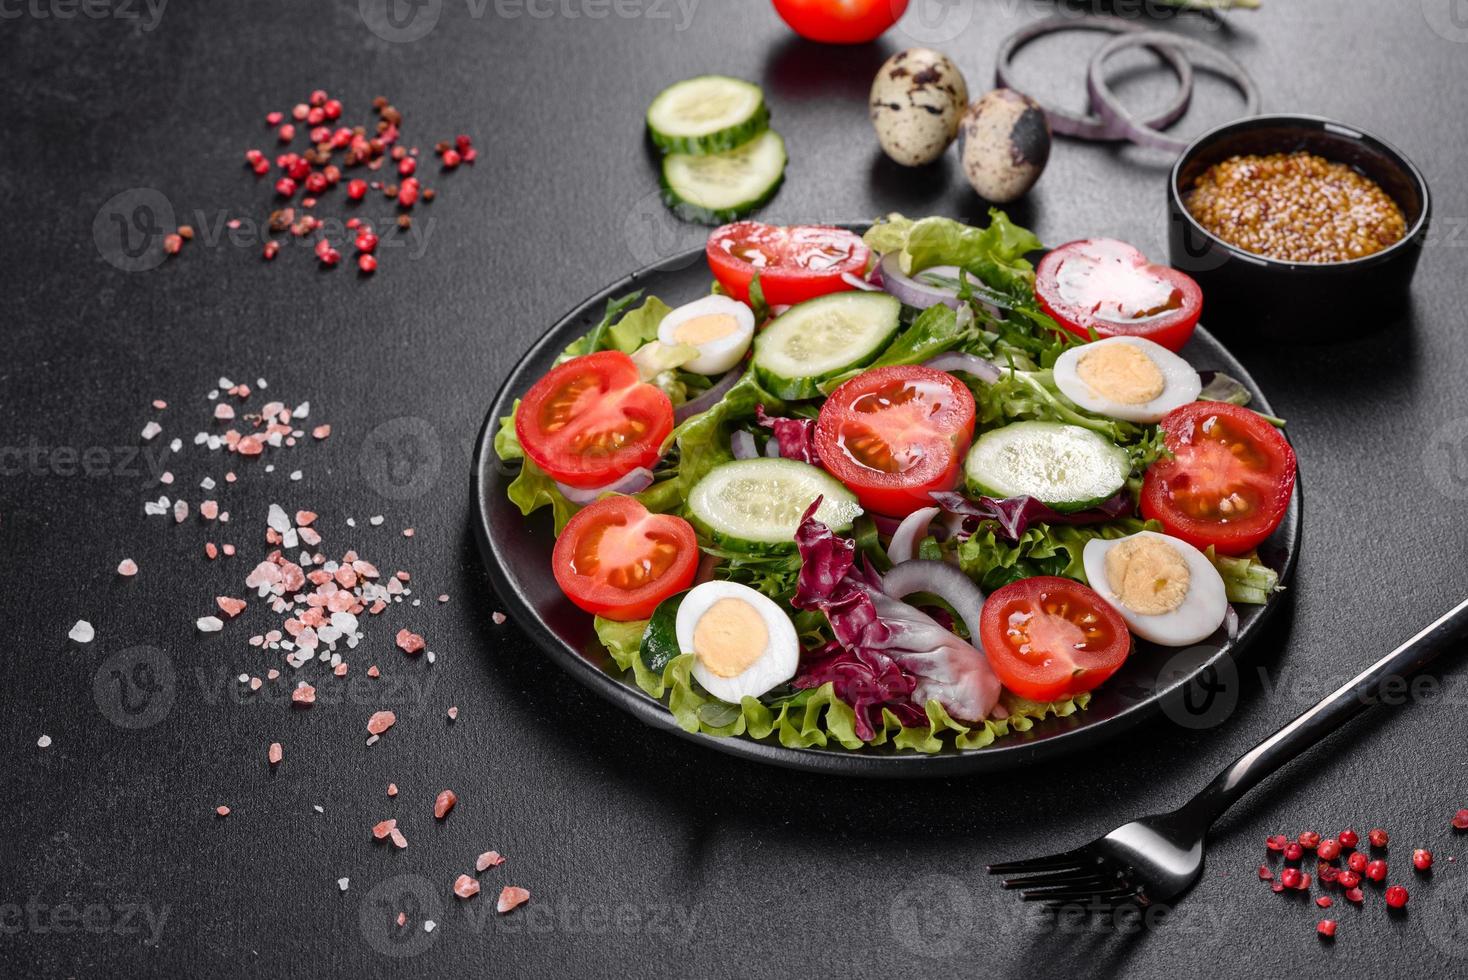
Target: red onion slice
column 1090, row 126
column 914, row 527
column 741, row 444
column 634, row 482
column 913, row 292
column 957, row 361
column 856, row 282
column 709, row 398
column 942, row 580
column 1109, row 107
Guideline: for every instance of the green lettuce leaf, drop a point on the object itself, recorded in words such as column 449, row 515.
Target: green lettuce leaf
column 533, row 489
column 932, row 332
column 1044, row 549
column 994, row 255
column 638, row 327
column 1245, row 578
column 806, row 719
column 703, row 439
column 506, row 442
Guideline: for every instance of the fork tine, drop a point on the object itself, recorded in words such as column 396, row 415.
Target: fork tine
column 1055, row 862
column 1056, row 878
column 1086, row 898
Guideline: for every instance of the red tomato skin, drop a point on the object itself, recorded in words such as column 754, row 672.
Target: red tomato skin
column 1030, row 681
column 782, row 285
column 1227, row 539
column 619, row 388
column 840, row 21
column 898, row 494
column 600, row 598
column 1171, row 331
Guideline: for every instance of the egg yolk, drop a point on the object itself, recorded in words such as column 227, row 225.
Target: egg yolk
column 1121, row 373
column 730, row 637
column 702, row 329
column 1148, row 575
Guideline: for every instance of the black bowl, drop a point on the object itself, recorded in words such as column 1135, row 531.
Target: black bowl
column 1308, row 302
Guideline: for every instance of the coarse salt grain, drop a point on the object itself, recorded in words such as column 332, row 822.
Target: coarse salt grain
column 511, row 897
column 342, row 883
column 429, row 925
column 209, row 624
column 382, row 828
column 275, row 753
column 127, row 568
column 392, row 789
column 44, row 742
column 443, row 803
column 453, row 713
column 381, row 721
column 489, row 859
column 498, row 617
column 82, row 632
column 465, row 886
column 151, row 429
column 223, row 811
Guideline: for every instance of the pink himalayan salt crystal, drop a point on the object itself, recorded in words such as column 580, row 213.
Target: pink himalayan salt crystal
column 465, row 886
column 511, row 897
column 489, row 859
column 127, row 568
column 380, row 722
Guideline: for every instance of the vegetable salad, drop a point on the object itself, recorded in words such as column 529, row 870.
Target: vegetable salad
column 898, row 487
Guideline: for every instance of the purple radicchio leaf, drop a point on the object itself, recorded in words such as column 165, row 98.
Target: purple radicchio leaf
column 795, row 437
column 887, row 654
column 1015, row 515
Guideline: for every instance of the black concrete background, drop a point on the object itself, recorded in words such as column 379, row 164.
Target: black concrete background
column 646, row 856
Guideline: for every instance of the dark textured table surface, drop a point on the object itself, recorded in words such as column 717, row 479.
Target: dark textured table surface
column 645, row 855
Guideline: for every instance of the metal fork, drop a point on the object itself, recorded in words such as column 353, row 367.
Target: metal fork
column 1156, row 859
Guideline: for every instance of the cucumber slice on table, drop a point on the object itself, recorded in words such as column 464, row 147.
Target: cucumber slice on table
column 1065, row 466
column 821, row 338
column 717, row 187
column 759, row 502
column 707, row 114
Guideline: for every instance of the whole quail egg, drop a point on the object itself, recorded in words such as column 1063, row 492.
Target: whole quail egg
column 917, row 100
column 1004, row 141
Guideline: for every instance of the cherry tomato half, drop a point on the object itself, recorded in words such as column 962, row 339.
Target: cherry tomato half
column 840, row 21
column 1049, row 638
column 1109, row 286
column 895, row 433
column 616, row 559
column 591, row 420
column 794, row 264
column 1228, row 482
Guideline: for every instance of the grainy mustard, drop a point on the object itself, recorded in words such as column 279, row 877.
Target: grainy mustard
column 1296, row 207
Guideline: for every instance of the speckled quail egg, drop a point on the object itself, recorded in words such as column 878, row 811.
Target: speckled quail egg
column 1128, row 378
column 1166, row 590
column 1004, row 141
column 917, row 100
column 742, row 643
column 720, row 328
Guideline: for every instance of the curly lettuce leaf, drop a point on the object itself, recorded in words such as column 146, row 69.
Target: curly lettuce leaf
column 1245, row 578
column 506, row 442
column 994, row 255
column 1044, row 549
column 814, row 718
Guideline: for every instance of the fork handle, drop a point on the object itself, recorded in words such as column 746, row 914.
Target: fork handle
column 1353, row 697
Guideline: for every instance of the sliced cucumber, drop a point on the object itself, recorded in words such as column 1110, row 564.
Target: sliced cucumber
column 719, row 187
column 759, row 502
column 1065, row 466
column 707, row 114
column 821, row 338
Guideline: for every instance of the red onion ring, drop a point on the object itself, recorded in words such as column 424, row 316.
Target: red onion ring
column 741, row 444
column 634, row 482
column 709, row 398
column 913, row 292
column 856, row 282
column 914, row 527
column 956, row 361
column 1108, row 107
column 1092, row 126
column 942, row 580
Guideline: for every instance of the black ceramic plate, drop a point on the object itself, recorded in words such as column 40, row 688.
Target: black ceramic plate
column 517, row 553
